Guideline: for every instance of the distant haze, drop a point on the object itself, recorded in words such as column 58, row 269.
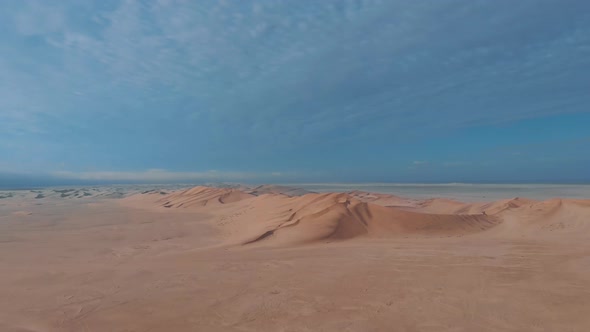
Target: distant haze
column 463, row 192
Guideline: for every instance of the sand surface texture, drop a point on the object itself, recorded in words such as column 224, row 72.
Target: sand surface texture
column 275, row 258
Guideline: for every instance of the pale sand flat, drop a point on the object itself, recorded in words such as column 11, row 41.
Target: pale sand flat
column 213, row 259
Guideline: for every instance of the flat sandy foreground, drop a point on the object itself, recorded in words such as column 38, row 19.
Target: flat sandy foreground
column 270, row 259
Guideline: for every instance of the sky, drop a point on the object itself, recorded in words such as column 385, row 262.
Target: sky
column 294, row 91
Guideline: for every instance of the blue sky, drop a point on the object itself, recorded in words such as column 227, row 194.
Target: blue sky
column 300, row 90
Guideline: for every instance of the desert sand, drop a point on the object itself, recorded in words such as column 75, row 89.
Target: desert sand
column 274, row 258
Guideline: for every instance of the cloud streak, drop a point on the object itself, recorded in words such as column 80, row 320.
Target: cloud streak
column 158, row 175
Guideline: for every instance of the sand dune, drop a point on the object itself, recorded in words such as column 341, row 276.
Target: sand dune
column 547, row 218
column 383, row 199
column 329, row 217
column 276, row 219
column 272, row 218
column 202, row 196
column 448, row 206
column 276, row 189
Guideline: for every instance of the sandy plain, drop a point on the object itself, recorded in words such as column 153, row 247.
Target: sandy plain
column 280, row 259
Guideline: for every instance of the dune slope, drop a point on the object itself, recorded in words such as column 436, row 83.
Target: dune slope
column 202, row 196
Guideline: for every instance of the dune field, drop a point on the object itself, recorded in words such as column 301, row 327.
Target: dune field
column 274, row 258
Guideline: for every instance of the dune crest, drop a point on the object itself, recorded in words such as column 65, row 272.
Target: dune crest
column 331, row 217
